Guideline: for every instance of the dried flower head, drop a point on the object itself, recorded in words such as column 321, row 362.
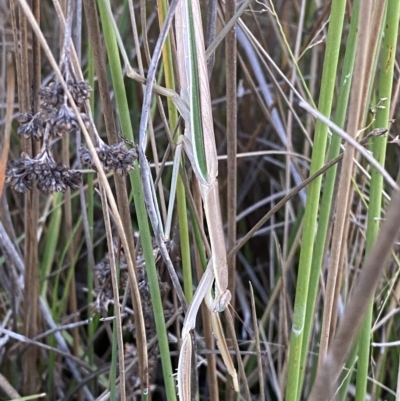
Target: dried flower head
column 80, row 91
column 55, row 110
column 104, row 290
column 31, row 126
column 53, row 95
column 49, row 175
column 64, row 121
column 55, row 117
column 116, row 157
column 104, row 296
column 21, row 173
column 103, row 274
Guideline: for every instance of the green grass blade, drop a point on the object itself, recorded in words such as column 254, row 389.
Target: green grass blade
column 51, row 243
column 376, row 186
column 141, row 212
column 327, row 196
column 294, row 386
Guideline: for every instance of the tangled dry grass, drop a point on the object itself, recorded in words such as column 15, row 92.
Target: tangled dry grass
column 105, row 227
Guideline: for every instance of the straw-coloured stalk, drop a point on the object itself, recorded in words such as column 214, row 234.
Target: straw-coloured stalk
column 185, row 358
column 327, row 374
column 9, row 110
column 200, row 147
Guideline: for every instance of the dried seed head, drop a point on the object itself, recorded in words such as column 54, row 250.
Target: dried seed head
column 32, row 126
column 53, row 94
column 103, row 274
column 21, row 173
column 55, row 108
column 80, row 91
column 116, row 157
column 49, row 175
column 64, row 121
column 24, row 118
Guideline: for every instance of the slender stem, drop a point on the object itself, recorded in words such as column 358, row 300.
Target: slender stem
column 137, row 190
column 120, row 183
column 118, row 343
column 294, row 385
column 327, row 196
column 376, row 186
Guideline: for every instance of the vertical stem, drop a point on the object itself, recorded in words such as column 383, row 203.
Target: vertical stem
column 376, row 186
column 231, row 137
column 231, row 133
column 117, row 341
column 126, row 128
column 294, row 385
column 327, row 196
column 30, row 83
column 88, row 201
column 72, row 301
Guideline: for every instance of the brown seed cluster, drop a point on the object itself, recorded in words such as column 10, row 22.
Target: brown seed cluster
column 105, row 292
column 55, row 109
column 53, row 94
column 48, row 175
column 32, row 126
column 54, row 119
column 116, row 157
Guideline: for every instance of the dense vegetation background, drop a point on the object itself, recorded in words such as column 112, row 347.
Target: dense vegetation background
column 96, row 103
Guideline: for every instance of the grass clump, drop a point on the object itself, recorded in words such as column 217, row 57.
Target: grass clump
column 155, row 157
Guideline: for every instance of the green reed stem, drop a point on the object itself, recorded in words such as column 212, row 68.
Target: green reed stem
column 327, row 196
column 294, row 385
column 141, row 212
column 376, row 186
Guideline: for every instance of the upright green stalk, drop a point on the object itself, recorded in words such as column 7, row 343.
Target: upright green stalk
column 327, row 196
column 376, row 186
column 50, row 245
column 293, row 388
column 49, row 256
column 126, row 128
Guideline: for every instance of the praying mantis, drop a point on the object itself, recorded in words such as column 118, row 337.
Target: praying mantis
column 198, row 142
